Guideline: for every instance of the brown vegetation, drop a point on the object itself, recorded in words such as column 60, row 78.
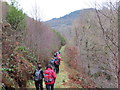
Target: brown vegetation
column 17, row 69
column 41, row 40
column 93, row 46
column 23, row 49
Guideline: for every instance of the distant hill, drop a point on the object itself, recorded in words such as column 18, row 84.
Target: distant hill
column 67, row 19
column 64, row 24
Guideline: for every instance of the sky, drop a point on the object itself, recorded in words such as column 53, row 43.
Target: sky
column 48, row 9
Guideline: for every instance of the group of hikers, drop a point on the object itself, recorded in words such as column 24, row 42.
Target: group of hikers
column 49, row 75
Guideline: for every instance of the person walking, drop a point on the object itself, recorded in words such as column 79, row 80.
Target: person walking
column 49, row 78
column 51, row 62
column 58, row 53
column 57, row 64
column 38, row 77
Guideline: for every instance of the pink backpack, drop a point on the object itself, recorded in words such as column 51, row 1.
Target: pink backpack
column 48, row 76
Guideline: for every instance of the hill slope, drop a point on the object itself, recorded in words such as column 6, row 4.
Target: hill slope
column 64, row 24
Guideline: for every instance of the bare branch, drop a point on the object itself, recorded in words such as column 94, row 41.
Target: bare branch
column 102, row 28
column 105, row 34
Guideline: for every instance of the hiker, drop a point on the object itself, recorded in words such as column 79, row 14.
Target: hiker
column 49, row 78
column 38, row 77
column 59, row 58
column 58, row 53
column 56, row 64
column 51, row 62
column 55, row 55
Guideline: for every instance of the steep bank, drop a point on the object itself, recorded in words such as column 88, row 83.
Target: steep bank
column 23, row 48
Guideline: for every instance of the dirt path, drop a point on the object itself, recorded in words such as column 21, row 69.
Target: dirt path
column 62, row 77
column 63, row 80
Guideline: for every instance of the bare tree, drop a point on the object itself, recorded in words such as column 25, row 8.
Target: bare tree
column 36, row 13
column 110, row 34
column 119, row 44
column 96, row 35
column 107, row 20
column 1, row 39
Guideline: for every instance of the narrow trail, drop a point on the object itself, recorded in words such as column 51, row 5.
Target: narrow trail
column 62, row 80
column 62, row 77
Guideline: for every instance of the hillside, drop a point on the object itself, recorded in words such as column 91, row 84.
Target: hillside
column 92, row 43
column 64, row 24
column 67, row 19
column 87, row 40
column 25, row 43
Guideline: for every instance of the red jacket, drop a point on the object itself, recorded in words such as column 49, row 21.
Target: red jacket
column 58, row 55
column 53, row 75
column 59, row 58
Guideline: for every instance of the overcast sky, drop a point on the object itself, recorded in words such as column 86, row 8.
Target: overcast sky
column 56, row 8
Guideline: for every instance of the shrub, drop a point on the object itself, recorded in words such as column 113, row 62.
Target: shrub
column 63, row 41
column 16, row 17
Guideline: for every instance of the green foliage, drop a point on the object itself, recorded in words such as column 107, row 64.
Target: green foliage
column 63, row 41
column 30, row 83
column 30, row 55
column 21, row 48
column 84, row 89
column 6, row 69
column 16, row 18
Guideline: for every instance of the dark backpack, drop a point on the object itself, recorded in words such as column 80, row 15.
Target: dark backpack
column 38, row 75
column 57, row 62
column 48, row 76
column 51, row 61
